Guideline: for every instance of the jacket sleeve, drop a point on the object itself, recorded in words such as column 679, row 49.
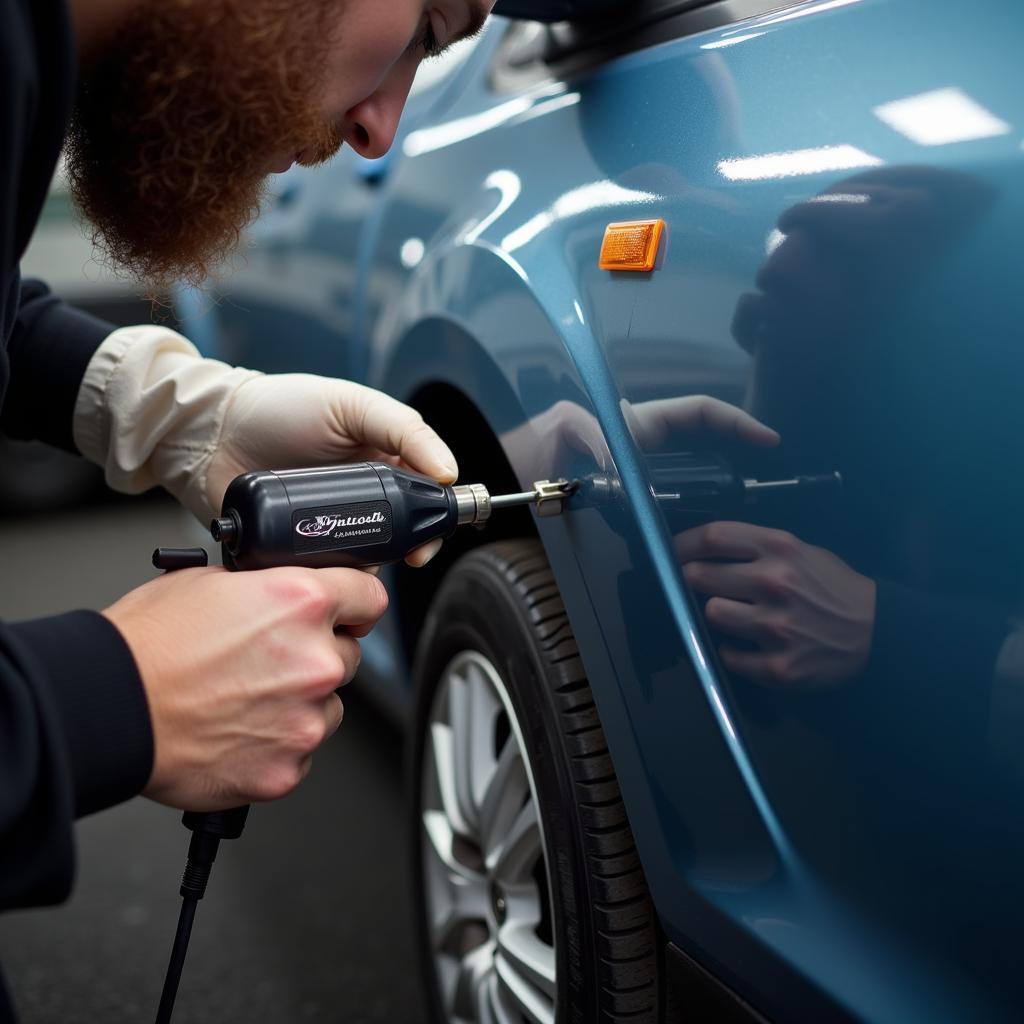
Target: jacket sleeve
column 75, row 737
column 49, row 350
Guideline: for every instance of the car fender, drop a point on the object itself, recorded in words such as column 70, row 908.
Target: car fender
column 468, row 318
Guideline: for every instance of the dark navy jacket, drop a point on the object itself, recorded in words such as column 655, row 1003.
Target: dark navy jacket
column 75, row 734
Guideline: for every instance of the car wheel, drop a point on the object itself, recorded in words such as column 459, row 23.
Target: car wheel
column 531, row 903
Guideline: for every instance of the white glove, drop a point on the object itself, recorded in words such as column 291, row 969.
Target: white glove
column 151, row 411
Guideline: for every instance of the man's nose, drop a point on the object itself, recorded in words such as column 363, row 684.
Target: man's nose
column 371, row 125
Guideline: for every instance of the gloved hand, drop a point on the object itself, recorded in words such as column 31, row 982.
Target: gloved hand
column 152, row 411
column 285, row 421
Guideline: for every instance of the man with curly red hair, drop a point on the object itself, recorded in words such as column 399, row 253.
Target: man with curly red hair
column 201, row 689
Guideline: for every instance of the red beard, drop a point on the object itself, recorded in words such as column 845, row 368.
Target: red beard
column 174, row 125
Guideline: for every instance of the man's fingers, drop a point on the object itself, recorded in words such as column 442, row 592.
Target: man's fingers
column 737, row 618
column 721, row 539
column 397, row 429
column 757, row 666
column 778, row 667
column 348, row 649
column 305, row 765
column 722, row 579
column 722, row 419
column 700, row 414
column 356, row 598
column 419, row 558
column 334, row 712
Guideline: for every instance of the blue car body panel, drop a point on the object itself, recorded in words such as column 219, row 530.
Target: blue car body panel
column 775, row 852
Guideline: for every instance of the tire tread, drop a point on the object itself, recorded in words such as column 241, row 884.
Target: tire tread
column 625, row 924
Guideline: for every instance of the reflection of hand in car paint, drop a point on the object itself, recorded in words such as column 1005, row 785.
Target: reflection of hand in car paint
column 840, row 268
column 666, row 422
column 544, row 446
column 804, row 615
column 809, row 613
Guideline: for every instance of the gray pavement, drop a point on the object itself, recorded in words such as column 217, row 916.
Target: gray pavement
column 307, row 916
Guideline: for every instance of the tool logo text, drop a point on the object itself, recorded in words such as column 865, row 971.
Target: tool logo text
column 329, row 526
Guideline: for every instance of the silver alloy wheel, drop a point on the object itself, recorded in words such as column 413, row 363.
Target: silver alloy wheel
column 485, row 863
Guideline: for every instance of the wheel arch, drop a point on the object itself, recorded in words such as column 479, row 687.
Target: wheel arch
column 471, row 341
column 456, row 417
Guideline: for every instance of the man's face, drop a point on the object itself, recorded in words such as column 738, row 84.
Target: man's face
column 182, row 117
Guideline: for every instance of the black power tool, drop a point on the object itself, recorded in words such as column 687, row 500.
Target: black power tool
column 351, row 516
column 360, row 515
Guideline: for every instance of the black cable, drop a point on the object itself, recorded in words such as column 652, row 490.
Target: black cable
column 207, row 832
column 177, row 961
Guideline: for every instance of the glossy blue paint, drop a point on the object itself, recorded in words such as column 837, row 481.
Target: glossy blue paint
column 827, row 854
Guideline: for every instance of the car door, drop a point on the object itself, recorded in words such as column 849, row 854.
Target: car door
column 840, row 183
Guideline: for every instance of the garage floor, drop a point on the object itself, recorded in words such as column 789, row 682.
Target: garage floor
column 307, row 917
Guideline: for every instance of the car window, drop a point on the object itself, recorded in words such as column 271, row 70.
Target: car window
column 532, row 51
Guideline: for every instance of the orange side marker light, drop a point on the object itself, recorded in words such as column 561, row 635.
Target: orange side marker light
column 631, row 245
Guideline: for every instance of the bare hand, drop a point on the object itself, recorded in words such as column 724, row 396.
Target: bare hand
column 696, row 417
column 809, row 615
column 240, row 671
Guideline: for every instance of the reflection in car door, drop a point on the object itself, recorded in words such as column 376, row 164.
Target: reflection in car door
column 845, row 279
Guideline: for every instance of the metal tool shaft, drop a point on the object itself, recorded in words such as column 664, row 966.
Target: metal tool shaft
column 511, row 500
column 476, row 504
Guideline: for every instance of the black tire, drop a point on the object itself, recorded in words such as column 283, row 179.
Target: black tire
column 502, row 600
